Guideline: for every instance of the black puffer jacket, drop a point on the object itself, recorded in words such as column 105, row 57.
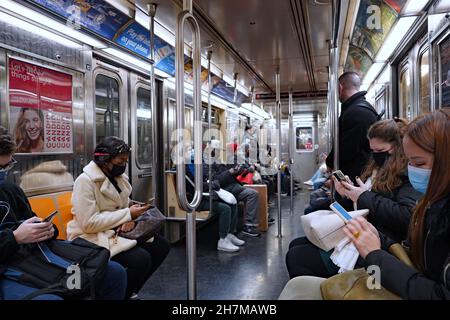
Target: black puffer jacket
column 354, row 122
column 390, row 213
column 434, row 282
column 14, row 208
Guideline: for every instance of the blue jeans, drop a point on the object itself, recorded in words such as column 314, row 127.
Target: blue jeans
column 112, row 286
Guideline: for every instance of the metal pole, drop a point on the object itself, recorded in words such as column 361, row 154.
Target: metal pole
column 155, row 134
column 291, row 148
column 335, row 80
column 208, row 56
column 278, row 115
column 191, row 254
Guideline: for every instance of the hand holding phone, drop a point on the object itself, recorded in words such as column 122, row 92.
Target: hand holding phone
column 340, row 211
column 50, row 217
column 341, row 177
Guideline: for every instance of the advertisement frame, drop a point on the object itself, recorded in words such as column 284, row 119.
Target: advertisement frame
column 12, row 55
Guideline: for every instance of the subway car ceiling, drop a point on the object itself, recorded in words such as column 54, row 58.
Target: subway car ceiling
column 250, row 42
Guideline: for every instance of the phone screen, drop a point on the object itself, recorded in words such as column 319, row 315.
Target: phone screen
column 336, row 207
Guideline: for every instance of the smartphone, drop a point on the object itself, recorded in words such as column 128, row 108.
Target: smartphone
column 50, row 217
column 341, row 177
column 340, row 211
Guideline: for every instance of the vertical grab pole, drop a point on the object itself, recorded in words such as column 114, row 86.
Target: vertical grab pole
column 191, row 254
column 208, row 56
column 291, row 148
column 278, row 115
column 334, row 80
column 155, row 134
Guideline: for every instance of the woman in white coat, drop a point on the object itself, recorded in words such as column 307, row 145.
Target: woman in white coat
column 101, row 209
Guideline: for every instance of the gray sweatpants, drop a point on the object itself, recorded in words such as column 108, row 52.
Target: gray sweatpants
column 251, row 199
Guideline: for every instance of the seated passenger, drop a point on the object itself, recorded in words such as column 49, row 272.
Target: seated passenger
column 228, row 182
column 426, row 145
column 101, row 209
column 389, row 197
column 228, row 213
column 386, row 192
column 20, row 227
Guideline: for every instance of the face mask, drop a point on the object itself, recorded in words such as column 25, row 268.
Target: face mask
column 117, row 170
column 380, row 158
column 419, row 178
column 3, row 175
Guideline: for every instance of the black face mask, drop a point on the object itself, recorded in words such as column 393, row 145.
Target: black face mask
column 117, row 170
column 380, row 158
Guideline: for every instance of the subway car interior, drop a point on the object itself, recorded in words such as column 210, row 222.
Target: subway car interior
column 255, row 85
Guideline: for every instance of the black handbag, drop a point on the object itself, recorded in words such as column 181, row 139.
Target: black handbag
column 147, row 226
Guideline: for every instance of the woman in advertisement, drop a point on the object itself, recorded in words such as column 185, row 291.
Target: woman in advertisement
column 29, row 131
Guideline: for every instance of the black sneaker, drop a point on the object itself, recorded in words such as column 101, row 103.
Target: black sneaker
column 251, row 231
column 271, row 221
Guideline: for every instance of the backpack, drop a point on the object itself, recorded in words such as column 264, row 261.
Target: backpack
column 70, row 269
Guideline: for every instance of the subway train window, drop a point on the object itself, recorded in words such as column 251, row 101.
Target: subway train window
column 405, row 110
column 305, row 139
column 144, row 129
column 424, row 83
column 445, row 72
column 106, row 107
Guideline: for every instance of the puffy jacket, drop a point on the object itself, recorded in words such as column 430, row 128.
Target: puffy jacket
column 391, row 213
column 354, row 122
column 434, row 282
column 98, row 209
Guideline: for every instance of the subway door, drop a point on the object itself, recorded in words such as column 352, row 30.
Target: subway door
column 141, row 161
column 306, row 150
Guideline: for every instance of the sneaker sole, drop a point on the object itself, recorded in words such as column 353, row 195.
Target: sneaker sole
column 227, row 250
column 251, row 234
column 238, row 244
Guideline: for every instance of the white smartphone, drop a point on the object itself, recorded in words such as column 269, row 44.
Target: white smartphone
column 340, row 211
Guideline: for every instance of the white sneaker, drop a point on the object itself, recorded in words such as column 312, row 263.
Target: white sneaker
column 235, row 240
column 226, row 245
column 309, row 183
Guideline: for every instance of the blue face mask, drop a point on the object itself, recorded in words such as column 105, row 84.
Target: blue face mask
column 419, row 178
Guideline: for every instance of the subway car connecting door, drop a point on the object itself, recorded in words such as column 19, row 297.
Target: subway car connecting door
column 122, row 108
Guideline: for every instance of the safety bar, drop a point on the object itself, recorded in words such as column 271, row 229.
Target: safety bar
column 278, row 115
column 191, row 250
column 183, row 17
column 155, row 134
column 291, row 149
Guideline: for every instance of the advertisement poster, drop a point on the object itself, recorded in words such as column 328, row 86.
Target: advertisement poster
column 136, row 38
column 96, row 15
column 40, row 102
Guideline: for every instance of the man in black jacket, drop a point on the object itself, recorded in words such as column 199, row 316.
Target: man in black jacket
column 357, row 115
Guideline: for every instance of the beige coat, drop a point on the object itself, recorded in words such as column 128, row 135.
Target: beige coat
column 98, row 209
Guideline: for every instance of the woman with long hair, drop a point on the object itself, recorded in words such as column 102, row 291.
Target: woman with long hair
column 29, row 131
column 387, row 194
column 427, row 148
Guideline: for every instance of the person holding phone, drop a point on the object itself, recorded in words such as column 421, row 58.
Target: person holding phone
column 384, row 187
column 19, row 226
column 387, row 194
column 101, row 197
column 426, row 148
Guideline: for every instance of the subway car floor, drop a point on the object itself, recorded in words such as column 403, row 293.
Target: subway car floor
column 256, row 272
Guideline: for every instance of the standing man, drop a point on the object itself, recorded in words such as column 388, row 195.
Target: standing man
column 357, row 115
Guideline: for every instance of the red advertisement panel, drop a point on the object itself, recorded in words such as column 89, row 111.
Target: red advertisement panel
column 41, row 108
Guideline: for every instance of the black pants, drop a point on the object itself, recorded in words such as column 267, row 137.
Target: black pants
column 141, row 261
column 304, row 259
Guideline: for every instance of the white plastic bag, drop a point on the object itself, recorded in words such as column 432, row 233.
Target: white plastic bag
column 324, row 228
column 226, row 196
